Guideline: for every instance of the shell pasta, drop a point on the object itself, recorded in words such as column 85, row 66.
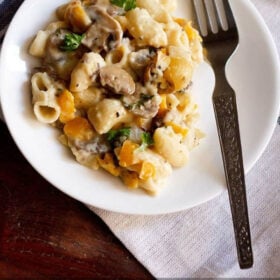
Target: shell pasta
column 116, row 81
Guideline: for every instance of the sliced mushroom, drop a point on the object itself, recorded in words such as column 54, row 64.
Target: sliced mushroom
column 97, row 145
column 117, row 80
column 105, row 33
column 144, row 102
column 87, row 152
column 105, row 5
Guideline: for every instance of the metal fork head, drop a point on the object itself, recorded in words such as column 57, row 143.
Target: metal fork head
column 215, row 21
column 217, row 27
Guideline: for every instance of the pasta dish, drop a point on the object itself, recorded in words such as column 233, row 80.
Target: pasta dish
column 115, row 78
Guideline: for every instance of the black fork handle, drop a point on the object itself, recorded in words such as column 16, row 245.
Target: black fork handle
column 229, row 135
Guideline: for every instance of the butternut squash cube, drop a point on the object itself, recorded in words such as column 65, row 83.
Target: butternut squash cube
column 65, row 101
column 79, row 128
column 126, row 156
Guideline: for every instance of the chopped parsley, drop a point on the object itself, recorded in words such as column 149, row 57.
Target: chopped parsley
column 117, row 137
column 125, row 4
column 141, row 102
column 147, row 140
column 71, row 41
column 145, row 97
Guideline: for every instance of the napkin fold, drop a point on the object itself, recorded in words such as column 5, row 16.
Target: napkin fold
column 199, row 242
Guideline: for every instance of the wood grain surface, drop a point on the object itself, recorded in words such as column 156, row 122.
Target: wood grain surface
column 46, row 234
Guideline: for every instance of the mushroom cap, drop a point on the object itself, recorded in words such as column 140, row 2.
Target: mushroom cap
column 105, row 33
column 117, row 80
column 144, row 102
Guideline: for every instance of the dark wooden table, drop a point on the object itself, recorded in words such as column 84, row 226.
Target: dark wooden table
column 46, row 234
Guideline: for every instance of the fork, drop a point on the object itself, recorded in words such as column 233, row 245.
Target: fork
column 218, row 29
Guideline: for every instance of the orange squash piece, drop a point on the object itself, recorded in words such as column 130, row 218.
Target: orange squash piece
column 109, row 165
column 182, row 22
column 178, row 129
column 163, row 105
column 66, row 103
column 77, row 17
column 126, row 157
column 130, row 179
column 79, row 128
column 191, row 32
column 148, row 170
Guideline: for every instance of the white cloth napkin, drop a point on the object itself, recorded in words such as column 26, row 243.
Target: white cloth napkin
column 199, row 242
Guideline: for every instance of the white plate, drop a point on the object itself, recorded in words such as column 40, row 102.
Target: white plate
column 254, row 73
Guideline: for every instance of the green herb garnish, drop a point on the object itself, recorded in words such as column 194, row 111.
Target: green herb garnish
column 125, row 4
column 141, row 102
column 145, row 97
column 119, row 135
column 147, row 140
column 71, row 41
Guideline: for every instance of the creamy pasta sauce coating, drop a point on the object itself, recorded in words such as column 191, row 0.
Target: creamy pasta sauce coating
column 117, row 83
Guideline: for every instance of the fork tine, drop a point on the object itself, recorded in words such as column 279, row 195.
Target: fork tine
column 229, row 15
column 212, row 16
column 206, row 16
column 214, row 19
column 215, row 14
column 201, row 18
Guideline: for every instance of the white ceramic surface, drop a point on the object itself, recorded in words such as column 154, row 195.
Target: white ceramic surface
column 253, row 72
